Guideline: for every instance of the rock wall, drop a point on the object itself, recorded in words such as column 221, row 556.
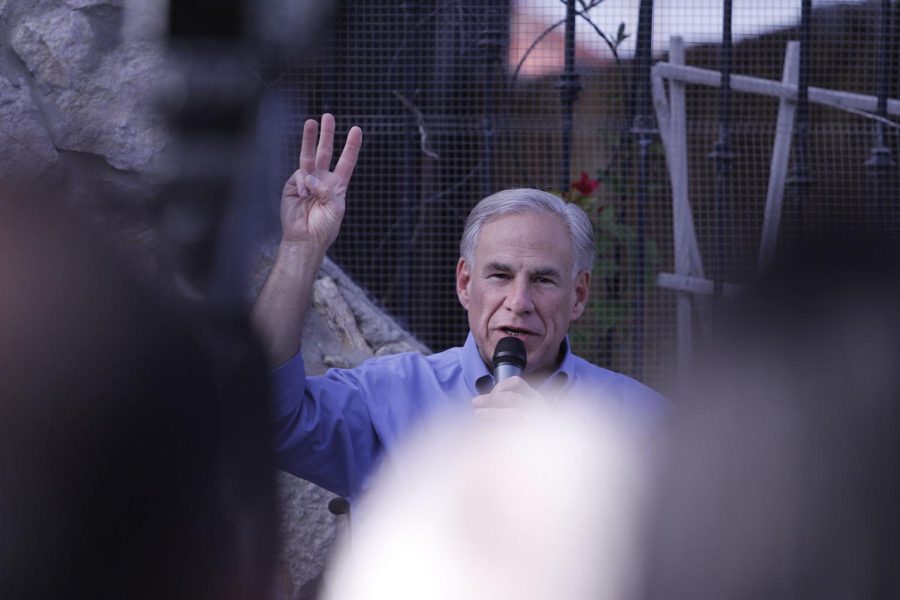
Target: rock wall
column 71, row 87
column 77, row 80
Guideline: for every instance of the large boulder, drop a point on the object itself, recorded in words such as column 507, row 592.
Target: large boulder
column 26, row 146
column 94, row 85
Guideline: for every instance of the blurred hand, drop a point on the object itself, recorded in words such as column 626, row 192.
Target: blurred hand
column 312, row 202
column 511, row 400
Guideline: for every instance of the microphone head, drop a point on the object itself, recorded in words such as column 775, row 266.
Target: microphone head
column 510, row 351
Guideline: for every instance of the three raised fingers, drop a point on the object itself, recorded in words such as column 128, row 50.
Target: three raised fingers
column 318, row 157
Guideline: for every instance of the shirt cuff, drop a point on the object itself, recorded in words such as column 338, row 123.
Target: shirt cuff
column 288, row 385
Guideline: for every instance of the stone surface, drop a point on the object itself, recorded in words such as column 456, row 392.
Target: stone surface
column 57, row 47
column 75, row 113
column 145, row 20
column 92, row 88
column 109, row 115
column 329, row 302
column 93, row 3
column 308, row 531
column 26, row 149
column 379, row 330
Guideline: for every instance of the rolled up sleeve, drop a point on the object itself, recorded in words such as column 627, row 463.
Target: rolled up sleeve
column 323, row 429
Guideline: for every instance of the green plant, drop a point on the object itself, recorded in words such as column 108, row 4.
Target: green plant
column 616, row 277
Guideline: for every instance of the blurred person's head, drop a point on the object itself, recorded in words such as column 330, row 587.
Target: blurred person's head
column 524, row 271
column 538, row 510
column 784, row 474
column 112, row 428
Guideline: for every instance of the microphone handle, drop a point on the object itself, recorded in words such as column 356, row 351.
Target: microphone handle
column 505, row 371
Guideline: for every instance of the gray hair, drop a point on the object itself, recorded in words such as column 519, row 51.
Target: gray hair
column 523, row 201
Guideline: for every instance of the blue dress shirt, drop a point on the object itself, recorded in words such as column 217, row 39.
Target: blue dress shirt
column 333, row 429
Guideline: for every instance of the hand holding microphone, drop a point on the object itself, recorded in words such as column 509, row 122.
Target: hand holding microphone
column 511, row 398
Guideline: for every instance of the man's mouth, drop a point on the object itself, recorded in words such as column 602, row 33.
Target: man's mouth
column 515, row 332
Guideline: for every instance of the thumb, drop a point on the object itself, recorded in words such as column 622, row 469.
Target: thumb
column 302, row 190
column 316, row 186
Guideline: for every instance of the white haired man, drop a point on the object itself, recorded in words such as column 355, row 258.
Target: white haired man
column 524, row 271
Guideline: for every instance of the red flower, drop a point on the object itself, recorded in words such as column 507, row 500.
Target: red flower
column 585, row 185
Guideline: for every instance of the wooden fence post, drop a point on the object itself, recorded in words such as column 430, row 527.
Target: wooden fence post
column 781, row 152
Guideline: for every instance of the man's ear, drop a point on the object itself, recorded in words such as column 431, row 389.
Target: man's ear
column 463, row 277
column 582, row 289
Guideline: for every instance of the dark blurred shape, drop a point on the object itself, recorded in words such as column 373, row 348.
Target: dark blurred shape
column 784, row 474
column 211, row 109
column 133, row 460
column 215, row 19
column 338, row 506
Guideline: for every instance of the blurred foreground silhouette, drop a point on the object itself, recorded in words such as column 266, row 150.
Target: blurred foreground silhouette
column 539, row 510
column 784, row 474
column 133, row 460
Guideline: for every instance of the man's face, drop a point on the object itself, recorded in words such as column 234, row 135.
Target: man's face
column 521, row 284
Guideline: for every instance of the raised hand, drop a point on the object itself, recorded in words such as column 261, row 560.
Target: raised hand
column 313, row 199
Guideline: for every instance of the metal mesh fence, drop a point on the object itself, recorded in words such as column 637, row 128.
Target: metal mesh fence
column 458, row 99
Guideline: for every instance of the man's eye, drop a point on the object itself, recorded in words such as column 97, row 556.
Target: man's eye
column 499, row 276
column 545, row 280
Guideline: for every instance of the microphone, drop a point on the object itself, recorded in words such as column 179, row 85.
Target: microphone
column 509, row 358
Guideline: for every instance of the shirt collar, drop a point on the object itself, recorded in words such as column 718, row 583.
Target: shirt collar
column 480, row 381
column 474, row 369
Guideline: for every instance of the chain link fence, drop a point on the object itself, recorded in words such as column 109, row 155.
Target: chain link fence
column 458, row 99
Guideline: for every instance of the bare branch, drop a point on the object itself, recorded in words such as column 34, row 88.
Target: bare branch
column 420, row 123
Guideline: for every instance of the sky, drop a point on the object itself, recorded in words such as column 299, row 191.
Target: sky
column 697, row 21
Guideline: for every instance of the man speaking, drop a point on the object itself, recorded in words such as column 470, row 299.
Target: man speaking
column 524, row 272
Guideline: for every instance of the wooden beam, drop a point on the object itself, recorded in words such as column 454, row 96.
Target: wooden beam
column 767, row 87
column 695, row 285
column 672, row 121
column 687, row 251
column 781, row 152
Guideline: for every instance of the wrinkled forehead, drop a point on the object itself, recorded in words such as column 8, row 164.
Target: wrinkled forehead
column 521, row 220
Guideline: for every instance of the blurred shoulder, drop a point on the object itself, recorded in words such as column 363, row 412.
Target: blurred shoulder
column 626, row 392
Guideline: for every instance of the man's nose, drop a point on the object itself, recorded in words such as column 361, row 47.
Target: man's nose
column 519, row 298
